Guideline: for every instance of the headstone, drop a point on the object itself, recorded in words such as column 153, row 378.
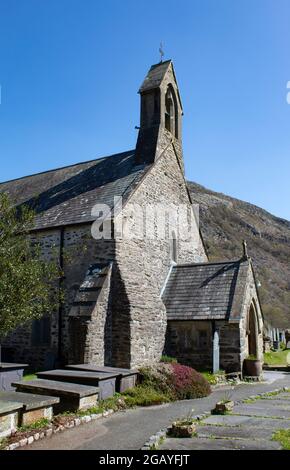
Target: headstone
column 216, row 352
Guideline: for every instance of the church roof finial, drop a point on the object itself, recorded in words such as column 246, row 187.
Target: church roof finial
column 245, row 250
column 161, row 51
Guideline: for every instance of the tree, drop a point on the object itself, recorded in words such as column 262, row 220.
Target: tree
column 26, row 279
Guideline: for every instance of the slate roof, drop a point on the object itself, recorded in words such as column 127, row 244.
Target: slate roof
column 67, row 195
column 155, row 76
column 209, row 291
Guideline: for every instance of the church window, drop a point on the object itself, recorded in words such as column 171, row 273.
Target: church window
column 171, row 115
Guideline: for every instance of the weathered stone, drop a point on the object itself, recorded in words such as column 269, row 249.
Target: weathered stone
column 104, row 381
column 71, row 396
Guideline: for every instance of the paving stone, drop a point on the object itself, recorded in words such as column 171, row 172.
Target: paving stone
column 227, row 420
column 218, row 444
column 244, row 432
column 252, row 410
column 280, row 403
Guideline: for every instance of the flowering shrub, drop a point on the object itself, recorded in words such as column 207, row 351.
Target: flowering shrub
column 188, row 383
column 175, row 381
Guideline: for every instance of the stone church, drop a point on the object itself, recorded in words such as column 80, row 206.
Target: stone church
column 128, row 300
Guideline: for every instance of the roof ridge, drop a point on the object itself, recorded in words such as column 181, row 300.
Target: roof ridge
column 68, row 166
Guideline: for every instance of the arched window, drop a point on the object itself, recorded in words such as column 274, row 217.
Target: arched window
column 171, row 115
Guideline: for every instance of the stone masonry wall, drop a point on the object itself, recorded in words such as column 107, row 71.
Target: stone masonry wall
column 139, row 316
column 79, row 251
column 190, row 342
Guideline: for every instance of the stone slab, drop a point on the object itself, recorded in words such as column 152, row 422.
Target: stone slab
column 218, row 444
column 248, row 421
column 125, row 378
column 271, row 404
column 11, row 366
column 72, row 396
column 10, row 373
column 9, row 406
column 29, row 401
column 253, row 432
column 227, row 420
column 55, row 388
column 75, row 374
column 105, row 382
column 253, row 410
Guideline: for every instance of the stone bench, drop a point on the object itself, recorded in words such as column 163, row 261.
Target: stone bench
column 9, row 373
column 105, row 382
column 125, row 378
column 34, row 407
column 72, row 397
column 9, row 412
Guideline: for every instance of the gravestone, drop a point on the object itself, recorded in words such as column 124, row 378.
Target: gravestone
column 216, row 352
column 10, row 372
column 72, row 396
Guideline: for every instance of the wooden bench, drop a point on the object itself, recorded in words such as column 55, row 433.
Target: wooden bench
column 105, row 382
column 72, row 397
column 125, row 378
column 9, row 412
column 34, row 407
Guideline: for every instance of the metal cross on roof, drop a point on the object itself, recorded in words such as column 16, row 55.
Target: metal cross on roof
column 161, row 52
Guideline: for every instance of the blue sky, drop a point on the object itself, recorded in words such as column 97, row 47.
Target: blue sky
column 70, row 72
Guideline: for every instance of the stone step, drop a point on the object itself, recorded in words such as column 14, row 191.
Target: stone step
column 125, row 378
column 72, row 396
column 34, row 407
column 9, row 417
column 105, row 381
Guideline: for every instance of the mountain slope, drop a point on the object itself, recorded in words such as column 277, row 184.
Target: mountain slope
column 225, row 222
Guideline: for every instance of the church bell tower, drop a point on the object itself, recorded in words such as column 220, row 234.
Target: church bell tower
column 161, row 115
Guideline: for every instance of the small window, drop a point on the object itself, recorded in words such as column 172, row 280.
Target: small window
column 40, row 334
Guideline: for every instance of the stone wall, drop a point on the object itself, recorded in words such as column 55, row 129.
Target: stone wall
column 77, row 249
column 251, row 298
column 139, row 316
column 190, row 342
column 90, row 329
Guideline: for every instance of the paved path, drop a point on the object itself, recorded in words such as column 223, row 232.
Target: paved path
column 250, row 427
column 132, row 428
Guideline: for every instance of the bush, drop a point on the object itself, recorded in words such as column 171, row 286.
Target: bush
column 189, row 383
column 175, row 381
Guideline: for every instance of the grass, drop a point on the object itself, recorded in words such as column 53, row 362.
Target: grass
column 142, row 395
column 213, row 378
column 29, row 377
column 275, row 358
column 39, row 424
column 282, row 436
